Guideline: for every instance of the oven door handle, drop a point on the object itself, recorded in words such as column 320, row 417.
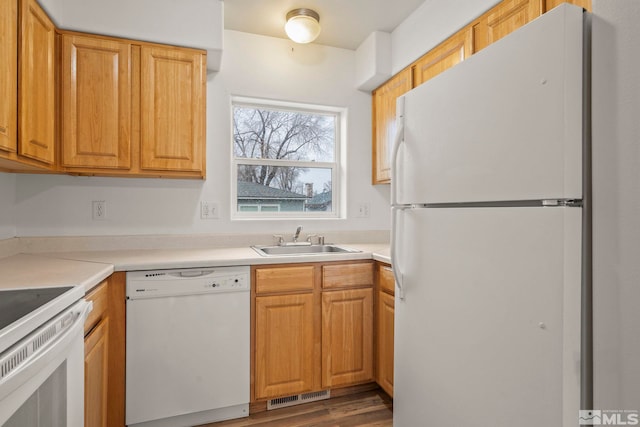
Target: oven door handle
column 45, row 359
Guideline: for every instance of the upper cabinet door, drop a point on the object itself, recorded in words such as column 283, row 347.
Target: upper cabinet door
column 96, row 102
column 384, row 123
column 9, row 79
column 585, row 4
column 503, row 19
column 449, row 53
column 172, row 109
column 37, row 84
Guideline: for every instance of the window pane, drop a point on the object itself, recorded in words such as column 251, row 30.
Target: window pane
column 263, row 133
column 284, row 188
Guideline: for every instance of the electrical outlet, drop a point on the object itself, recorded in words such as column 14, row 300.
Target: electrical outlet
column 209, row 210
column 99, row 210
column 363, row 210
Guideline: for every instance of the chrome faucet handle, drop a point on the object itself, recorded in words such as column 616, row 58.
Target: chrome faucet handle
column 279, row 239
column 310, row 237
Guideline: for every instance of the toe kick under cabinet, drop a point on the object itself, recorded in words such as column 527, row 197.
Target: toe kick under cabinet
column 312, row 327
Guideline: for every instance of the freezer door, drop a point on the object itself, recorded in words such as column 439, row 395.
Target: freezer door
column 489, row 331
column 505, row 124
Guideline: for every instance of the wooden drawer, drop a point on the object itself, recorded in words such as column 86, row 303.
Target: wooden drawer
column 347, row 275
column 284, row 279
column 100, row 298
column 386, row 281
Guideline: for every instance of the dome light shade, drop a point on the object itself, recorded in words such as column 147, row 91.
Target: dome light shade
column 303, row 25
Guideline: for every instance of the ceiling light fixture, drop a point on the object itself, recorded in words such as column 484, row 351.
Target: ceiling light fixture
column 303, row 25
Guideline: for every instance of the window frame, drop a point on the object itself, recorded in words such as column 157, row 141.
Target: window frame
column 337, row 167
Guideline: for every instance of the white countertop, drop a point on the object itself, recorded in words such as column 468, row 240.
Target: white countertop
column 37, row 271
column 153, row 259
column 88, row 268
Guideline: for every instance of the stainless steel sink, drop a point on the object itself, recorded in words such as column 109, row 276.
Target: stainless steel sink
column 292, row 250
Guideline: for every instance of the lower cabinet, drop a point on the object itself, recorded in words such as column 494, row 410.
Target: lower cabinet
column 96, row 378
column 307, row 336
column 284, row 345
column 384, row 362
column 385, row 312
column 347, row 337
column 104, row 355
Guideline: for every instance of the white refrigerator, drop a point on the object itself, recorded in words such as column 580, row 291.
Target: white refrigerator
column 490, row 235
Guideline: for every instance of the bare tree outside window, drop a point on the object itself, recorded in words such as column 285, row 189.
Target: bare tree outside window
column 290, row 150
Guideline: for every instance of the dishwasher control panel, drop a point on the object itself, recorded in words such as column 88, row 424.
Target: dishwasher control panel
column 187, row 281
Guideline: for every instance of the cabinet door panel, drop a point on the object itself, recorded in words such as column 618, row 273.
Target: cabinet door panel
column 284, row 279
column 96, row 378
column 345, row 275
column 347, row 337
column 172, row 100
column 384, row 123
column 503, row 19
column 284, row 345
column 37, row 84
column 386, row 281
column 96, row 96
column 9, row 79
column 585, row 4
column 451, row 52
column 384, row 362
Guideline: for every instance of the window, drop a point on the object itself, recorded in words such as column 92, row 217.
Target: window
column 285, row 159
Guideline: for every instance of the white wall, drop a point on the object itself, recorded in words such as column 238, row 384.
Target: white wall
column 433, row 22
column 193, row 23
column 254, row 66
column 616, row 199
column 8, row 196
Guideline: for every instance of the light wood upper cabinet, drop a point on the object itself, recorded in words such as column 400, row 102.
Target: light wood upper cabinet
column 384, row 335
column 347, row 337
column 384, row 123
column 96, row 102
column 37, row 84
column 585, row 4
column 131, row 108
column 172, row 109
column 503, row 19
column 284, row 345
column 9, row 80
column 449, row 53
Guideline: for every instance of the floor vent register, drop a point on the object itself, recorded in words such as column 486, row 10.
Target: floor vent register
column 298, row 399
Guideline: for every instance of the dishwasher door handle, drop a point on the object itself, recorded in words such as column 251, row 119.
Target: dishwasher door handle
column 195, row 273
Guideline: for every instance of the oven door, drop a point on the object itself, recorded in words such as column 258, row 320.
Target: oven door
column 42, row 376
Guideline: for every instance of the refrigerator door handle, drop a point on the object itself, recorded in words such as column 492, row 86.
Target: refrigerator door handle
column 397, row 142
column 397, row 274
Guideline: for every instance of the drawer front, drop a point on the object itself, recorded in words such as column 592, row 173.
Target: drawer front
column 347, row 275
column 284, row 279
column 100, row 298
column 386, row 281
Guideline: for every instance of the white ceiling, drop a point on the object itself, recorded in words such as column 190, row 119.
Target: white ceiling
column 345, row 23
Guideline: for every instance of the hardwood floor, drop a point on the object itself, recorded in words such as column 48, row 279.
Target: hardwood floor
column 371, row 408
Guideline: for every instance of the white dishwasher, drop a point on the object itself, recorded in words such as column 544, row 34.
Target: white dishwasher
column 187, row 349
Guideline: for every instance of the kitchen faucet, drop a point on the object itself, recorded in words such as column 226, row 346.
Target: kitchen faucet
column 295, row 236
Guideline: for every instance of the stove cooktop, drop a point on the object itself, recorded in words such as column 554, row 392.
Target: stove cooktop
column 17, row 303
column 24, row 310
